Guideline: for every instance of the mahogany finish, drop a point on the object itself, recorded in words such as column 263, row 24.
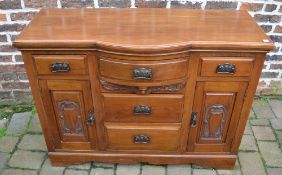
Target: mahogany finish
column 76, row 64
column 143, row 30
column 163, row 86
column 159, row 70
column 145, row 108
column 122, row 136
column 242, row 66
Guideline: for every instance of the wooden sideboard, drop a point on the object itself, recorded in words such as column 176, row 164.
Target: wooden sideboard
column 163, row 86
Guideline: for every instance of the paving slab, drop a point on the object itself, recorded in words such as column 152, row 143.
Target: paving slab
column 276, row 107
column 76, row 172
column 48, row 169
column 102, row 171
column 252, row 114
column 248, row 130
column 12, row 171
column 235, row 171
column 262, row 109
column 204, row 172
column 27, row 159
column 8, row 143
column 260, row 122
column 279, row 136
column 133, row 169
column 263, row 133
column 276, row 123
column 251, row 163
column 3, row 122
column 274, row 171
column 271, row 153
column 248, row 143
column 179, row 169
column 3, row 160
column 18, row 123
column 33, row 142
column 103, row 165
column 85, row 166
column 35, row 126
column 153, row 170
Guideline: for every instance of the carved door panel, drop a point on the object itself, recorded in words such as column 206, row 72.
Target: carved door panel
column 69, row 107
column 215, row 116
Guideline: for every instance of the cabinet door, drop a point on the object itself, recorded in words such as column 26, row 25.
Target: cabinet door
column 216, row 112
column 68, row 104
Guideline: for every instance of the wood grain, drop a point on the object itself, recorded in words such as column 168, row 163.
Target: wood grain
column 183, row 49
column 162, row 136
column 163, row 108
column 161, row 70
column 77, row 64
column 68, row 103
column 218, row 108
column 243, row 66
column 154, row 30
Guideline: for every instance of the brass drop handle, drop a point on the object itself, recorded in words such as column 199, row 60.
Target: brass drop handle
column 193, row 119
column 60, row 67
column 142, row 73
column 226, row 68
column 91, row 118
column 142, row 110
column 141, row 139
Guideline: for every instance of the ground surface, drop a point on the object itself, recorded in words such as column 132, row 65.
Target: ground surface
column 23, row 150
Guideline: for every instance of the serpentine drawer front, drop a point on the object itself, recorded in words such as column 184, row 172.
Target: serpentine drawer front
column 145, row 71
column 163, row 86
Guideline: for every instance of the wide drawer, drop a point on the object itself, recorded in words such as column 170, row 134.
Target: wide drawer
column 226, row 66
column 60, row 64
column 141, row 136
column 145, row 71
column 147, row 108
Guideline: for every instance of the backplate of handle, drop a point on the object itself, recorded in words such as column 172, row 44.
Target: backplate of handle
column 91, row 118
column 143, row 139
column 193, row 119
column 226, row 68
column 142, row 110
column 60, row 67
column 143, row 73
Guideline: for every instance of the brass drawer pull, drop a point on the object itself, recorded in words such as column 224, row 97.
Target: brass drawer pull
column 60, row 67
column 141, row 139
column 142, row 109
column 143, row 73
column 226, row 68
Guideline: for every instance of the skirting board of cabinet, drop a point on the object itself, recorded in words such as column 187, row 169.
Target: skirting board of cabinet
column 70, row 158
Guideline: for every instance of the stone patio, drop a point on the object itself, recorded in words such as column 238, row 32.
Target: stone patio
column 23, row 150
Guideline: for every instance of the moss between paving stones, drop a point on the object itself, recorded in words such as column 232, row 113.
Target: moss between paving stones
column 7, row 111
column 13, row 171
column 19, row 140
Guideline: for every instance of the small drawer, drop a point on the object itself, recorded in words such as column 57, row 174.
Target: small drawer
column 145, row 108
column 126, row 136
column 226, row 66
column 145, row 71
column 60, row 64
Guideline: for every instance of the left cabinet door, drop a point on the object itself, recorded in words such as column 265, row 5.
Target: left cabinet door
column 68, row 104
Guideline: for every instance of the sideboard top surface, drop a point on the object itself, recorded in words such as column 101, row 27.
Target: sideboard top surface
column 143, row 30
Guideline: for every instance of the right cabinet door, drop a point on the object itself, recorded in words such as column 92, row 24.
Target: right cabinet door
column 216, row 111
